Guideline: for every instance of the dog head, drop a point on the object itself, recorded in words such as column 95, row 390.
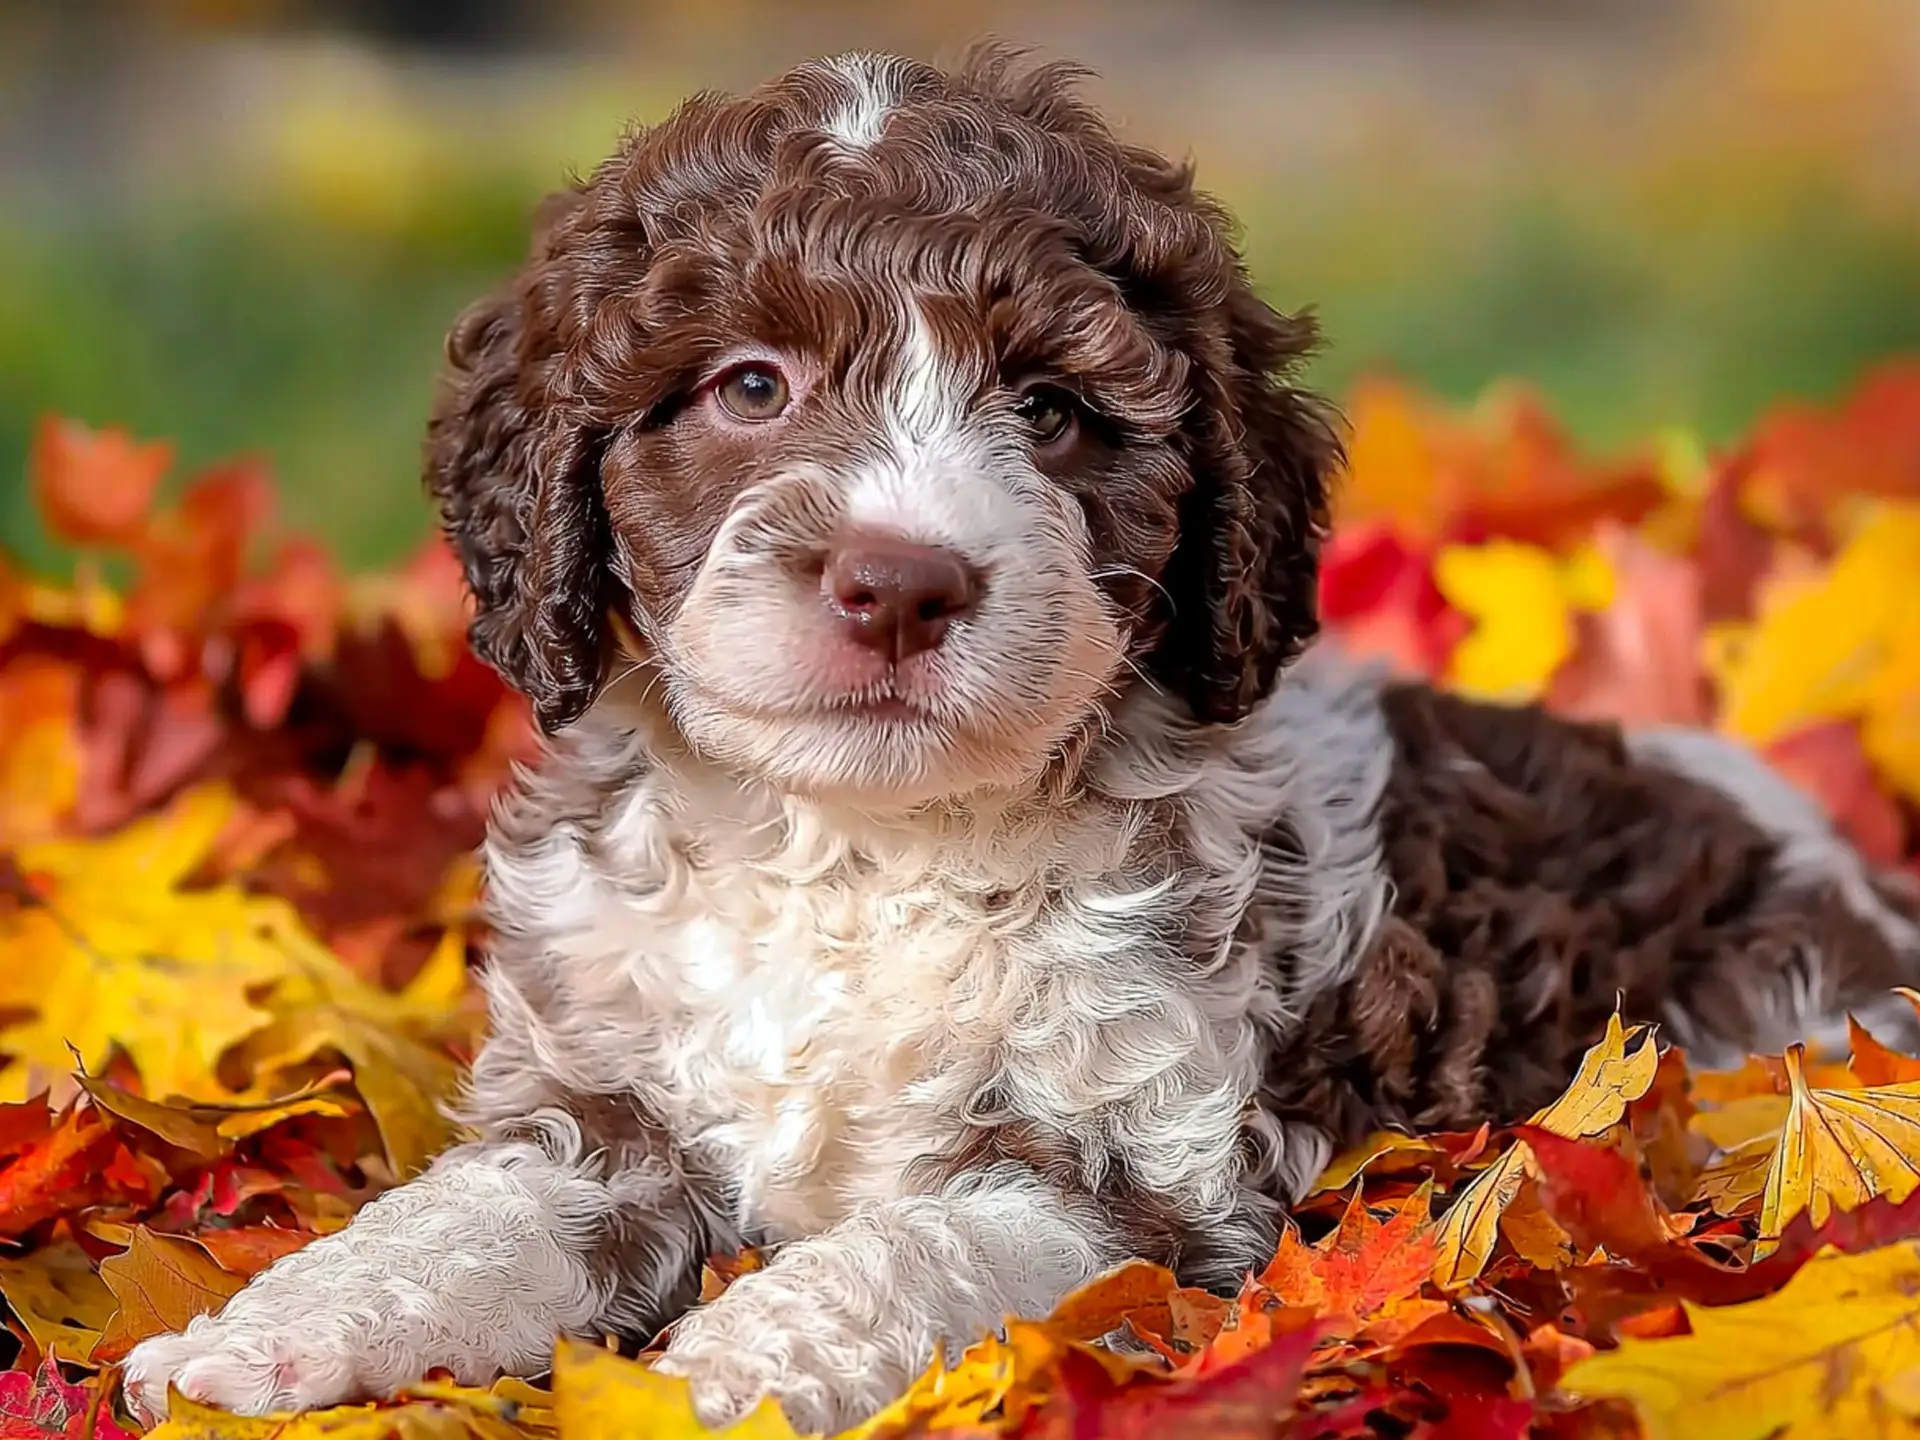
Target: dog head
column 905, row 418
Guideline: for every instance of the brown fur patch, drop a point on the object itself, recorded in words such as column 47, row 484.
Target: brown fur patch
column 1540, row 871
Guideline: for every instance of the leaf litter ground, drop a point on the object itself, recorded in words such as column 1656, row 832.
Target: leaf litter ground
column 240, row 791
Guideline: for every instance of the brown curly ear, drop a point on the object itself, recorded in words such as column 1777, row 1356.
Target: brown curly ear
column 515, row 474
column 1244, row 577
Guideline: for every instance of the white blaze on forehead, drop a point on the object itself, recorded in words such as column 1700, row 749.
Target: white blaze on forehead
column 862, row 114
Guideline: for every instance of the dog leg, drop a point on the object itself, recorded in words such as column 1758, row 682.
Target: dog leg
column 476, row 1266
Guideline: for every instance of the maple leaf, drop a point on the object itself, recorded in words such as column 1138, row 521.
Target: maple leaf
column 1617, row 1070
column 433, row 1413
column 45, row 1404
column 78, row 1161
column 1840, row 1148
column 1365, row 1278
column 40, row 756
column 116, row 952
column 161, row 1282
column 1873, row 1062
column 1819, row 645
column 1832, row 1353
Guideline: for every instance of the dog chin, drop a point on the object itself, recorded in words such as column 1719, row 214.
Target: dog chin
column 880, row 758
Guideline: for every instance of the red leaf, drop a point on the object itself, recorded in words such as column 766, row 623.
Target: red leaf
column 1596, row 1194
column 1247, row 1399
column 45, row 1404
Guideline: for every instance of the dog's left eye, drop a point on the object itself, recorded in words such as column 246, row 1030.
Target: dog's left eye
column 1048, row 412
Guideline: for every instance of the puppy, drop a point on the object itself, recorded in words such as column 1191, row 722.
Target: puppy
column 950, row 868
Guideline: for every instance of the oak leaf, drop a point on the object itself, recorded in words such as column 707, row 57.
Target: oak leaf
column 1835, row 1352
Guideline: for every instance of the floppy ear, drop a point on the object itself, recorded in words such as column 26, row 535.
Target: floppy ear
column 514, row 469
column 1244, row 576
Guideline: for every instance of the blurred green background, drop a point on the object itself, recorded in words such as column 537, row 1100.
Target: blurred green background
column 244, row 225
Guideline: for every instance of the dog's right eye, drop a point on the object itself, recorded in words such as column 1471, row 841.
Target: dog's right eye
column 752, row 392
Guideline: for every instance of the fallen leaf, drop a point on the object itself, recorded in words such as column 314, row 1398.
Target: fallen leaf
column 1833, row 1353
column 44, row 1404
column 118, row 953
column 1522, row 600
column 1839, row 1148
column 55, row 1294
column 161, row 1282
column 598, row 1395
column 1366, row 1277
column 1617, row 1070
column 1873, row 1062
column 94, row 486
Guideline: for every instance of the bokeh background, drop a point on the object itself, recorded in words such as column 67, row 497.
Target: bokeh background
column 244, row 225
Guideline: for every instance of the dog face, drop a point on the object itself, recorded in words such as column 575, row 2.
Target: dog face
column 906, row 418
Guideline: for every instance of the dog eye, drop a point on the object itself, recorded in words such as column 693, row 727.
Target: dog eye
column 1048, row 412
column 752, row 392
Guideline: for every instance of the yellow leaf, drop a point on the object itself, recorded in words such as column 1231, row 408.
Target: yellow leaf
column 55, row 1294
column 598, row 1395
column 120, row 954
column 1522, row 600
column 161, row 1282
column 403, row 1081
column 1819, row 645
column 1838, row 1149
column 1523, row 623
column 943, row 1399
column 1834, row 1353
column 1890, row 733
column 1741, row 1121
column 1616, row 1071
column 441, row 1417
column 1535, row 1236
column 1738, row 1179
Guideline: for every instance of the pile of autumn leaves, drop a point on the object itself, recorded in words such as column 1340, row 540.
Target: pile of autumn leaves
column 239, row 791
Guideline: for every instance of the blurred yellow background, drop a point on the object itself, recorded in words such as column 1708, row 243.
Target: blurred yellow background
column 245, row 224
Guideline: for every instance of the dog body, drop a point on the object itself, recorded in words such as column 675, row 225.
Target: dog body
column 893, row 499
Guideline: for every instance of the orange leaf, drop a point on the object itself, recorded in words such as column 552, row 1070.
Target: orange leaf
column 161, row 1282
column 1366, row 1277
column 94, row 487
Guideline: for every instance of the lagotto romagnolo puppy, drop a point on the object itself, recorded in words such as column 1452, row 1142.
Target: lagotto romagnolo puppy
column 950, row 867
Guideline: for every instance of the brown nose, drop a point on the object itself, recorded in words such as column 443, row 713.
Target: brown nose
column 895, row 596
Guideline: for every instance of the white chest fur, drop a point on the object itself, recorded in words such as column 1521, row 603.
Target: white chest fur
column 818, row 1003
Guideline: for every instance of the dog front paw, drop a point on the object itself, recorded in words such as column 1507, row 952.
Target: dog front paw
column 727, row 1377
column 251, row 1367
